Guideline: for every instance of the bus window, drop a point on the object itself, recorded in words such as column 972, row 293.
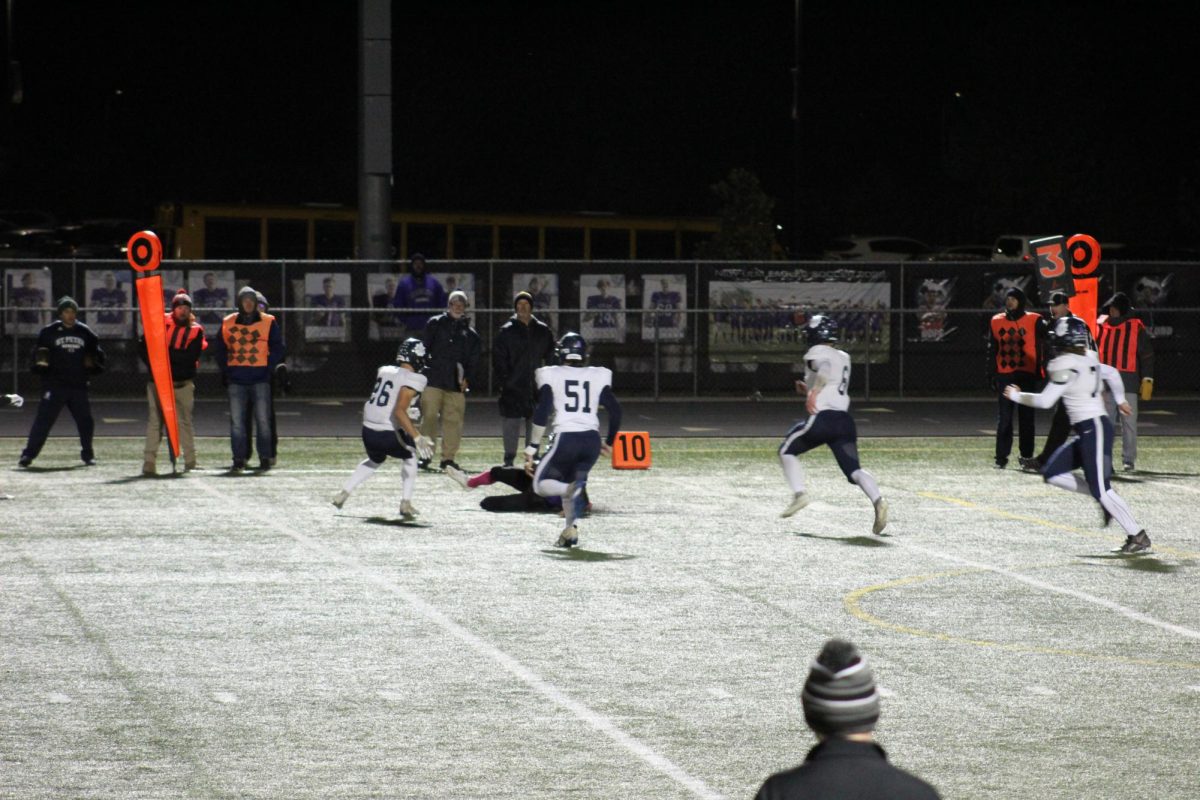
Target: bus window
column 566, row 243
column 231, row 238
column 428, row 240
column 655, row 245
column 287, row 238
column 334, row 239
column 472, row 241
column 610, row 243
column 518, row 242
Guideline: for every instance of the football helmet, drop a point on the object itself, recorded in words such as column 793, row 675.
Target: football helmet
column 1070, row 334
column 412, row 352
column 821, row 329
column 572, row 349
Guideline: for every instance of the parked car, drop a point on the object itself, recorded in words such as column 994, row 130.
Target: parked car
column 1015, row 247
column 100, row 238
column 32, row 243
column 962, row 252
column 875, row 248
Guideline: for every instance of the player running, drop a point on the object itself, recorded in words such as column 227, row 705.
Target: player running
column 388, row 428
column 1078, row 377
column 573, row 391
column 826, row 383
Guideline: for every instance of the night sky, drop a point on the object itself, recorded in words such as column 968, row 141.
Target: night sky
column 951, row 122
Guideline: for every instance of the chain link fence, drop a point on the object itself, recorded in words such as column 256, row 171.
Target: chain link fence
column 667, row 329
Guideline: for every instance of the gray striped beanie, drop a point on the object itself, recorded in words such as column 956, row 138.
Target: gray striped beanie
column 840, row 695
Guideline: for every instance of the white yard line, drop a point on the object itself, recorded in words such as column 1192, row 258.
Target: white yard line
column 523, row 673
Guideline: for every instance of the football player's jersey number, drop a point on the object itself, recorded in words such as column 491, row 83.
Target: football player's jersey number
column 381, row 395
column 570, row 388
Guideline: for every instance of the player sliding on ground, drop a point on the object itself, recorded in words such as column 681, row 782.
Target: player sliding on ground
column 1078, row 377
column 827, row 383
column 574, row 392
column 388, row 428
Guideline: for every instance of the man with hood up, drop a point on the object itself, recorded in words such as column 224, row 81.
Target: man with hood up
column 1016, row 341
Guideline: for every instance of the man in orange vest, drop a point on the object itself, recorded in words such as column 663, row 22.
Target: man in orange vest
column 1125, row 345
column 249, row 347
column 1015, row 356
column 185, row 342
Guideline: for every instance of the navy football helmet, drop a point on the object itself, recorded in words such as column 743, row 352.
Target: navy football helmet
column 1070, row 334
column 572, row 349
column 821, row 329
column 412, row 352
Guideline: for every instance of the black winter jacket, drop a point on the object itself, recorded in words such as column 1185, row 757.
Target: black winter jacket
column 518, row 352
column 451, row 342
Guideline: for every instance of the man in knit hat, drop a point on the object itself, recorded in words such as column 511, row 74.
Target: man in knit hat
column 1125, row 345
column 1016, row 340
column 246, row 352
column 185, row 342
column 524, row 344
column 841, row 705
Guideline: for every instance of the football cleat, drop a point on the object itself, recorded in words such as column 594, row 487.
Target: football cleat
column 340, row 498
column 568, row 538
column 880, row 517
column 798, row 502
column 1030, row 464
column 1107, row 517
column 407, row 512
column 458, row 476
column 1135, row 544
column 1129, row 467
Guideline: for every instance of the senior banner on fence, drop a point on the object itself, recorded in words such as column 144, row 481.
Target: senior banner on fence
column 759, row 316
column 28, row 291
column 664, row 297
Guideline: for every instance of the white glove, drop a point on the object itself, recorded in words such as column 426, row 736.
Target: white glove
column 15, row 400
column 424, row 447
column 414, row 413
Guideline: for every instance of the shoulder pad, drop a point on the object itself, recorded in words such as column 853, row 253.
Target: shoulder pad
column 1063, row 375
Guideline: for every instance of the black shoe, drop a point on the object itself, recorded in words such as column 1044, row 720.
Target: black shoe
column 24, row 461
column 449, row 463
column 237, row 466
column 1001, row 463
column 423, row 463
column 1030, row 464
column 89, row 462
column 1135, row 544
column 264, row 465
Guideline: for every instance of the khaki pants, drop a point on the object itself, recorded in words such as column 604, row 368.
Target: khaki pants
column 449, row 408
column 185, row 402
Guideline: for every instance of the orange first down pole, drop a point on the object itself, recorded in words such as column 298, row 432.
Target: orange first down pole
column 145, row 254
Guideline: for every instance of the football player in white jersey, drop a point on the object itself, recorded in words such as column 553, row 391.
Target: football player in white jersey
column 388, row 428
column 573, row 391
column 1078, row 377
column 826, row 384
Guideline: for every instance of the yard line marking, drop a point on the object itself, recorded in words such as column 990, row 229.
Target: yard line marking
column 523, row 673
column 58, row 698
column 225, row 698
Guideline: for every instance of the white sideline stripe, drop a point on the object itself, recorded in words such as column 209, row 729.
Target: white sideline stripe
column 58, row 698
column 1041, row 690
column 526, row 675
column 1136, row 616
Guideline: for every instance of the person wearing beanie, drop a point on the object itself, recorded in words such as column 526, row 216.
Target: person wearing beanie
column 246, row 352
column 1016, row 346
column 185, row 343
column 416, row 290
column 67, row 354
column 523, row 344
column 841, row 705
column 1125, row 344
column 454, row 350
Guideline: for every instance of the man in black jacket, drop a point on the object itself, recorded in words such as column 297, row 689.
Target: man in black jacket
column 841, row 705
column 454, row 351
column 68, row 352
column 523, row 344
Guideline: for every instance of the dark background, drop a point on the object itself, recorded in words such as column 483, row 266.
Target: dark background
column 949, row 122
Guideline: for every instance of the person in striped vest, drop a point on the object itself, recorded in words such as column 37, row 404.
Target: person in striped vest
column 185, row 342
column 1015, row 356
column 1125, row 345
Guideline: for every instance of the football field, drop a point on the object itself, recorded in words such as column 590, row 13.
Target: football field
column 217, row 636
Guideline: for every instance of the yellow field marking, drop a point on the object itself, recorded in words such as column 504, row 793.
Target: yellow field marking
column 1045, row 523
column 852, row 603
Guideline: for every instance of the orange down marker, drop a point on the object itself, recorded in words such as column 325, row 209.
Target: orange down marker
column 145, row 254
column 631, row 450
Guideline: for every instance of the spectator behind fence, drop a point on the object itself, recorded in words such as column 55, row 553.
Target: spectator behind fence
column 418, row 289
column 841, row 705
column 523, row 344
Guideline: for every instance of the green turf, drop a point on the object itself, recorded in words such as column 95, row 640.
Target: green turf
column 214, row 636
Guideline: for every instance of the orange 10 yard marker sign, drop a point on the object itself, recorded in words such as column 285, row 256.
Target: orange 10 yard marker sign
column 145, row 255
column 631, row 450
